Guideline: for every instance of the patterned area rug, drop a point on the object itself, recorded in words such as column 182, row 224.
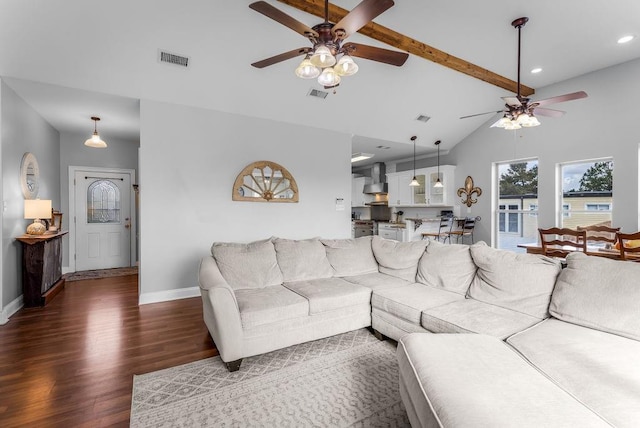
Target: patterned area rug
column 341, row 381
column 101, row 273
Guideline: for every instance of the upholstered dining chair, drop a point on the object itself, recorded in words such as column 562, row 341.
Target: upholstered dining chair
column 628, row 251
column 466, row 231
column 443, row 230
column 554, row 239
column 600, row 233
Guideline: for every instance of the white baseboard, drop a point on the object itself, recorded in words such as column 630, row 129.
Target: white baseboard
column 165, row 296
column 11, row 309
column 66, row 269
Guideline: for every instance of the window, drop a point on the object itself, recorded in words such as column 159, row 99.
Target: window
column 518, row 195
column 103, row 202
column 587, row 193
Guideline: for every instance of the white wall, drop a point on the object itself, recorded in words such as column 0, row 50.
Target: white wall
column 603, row 125
column 73, row 152
column 23, row 130
column 189, row 159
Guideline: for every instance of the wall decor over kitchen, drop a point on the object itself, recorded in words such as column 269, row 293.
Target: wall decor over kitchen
column 469, row 189
column 265, row 181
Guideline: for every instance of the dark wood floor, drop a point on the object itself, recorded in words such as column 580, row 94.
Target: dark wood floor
column 71, row 363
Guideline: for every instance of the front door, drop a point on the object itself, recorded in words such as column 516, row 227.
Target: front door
column 103, row 220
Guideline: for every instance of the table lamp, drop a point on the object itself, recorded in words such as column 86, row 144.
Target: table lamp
column 37, row 209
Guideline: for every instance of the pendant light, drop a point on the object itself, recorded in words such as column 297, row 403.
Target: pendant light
column 438, row 182
column 414, row 181
column 95, row 140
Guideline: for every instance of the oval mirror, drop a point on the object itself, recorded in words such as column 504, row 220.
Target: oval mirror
column 29, row 176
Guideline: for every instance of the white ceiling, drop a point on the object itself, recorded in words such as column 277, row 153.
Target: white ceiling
column 111, row 48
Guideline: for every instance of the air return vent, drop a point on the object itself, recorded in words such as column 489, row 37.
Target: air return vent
column 423, row 118
column 172, row 58
column 318, row 94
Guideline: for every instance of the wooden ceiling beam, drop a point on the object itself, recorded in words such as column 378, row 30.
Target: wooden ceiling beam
column 415, row 47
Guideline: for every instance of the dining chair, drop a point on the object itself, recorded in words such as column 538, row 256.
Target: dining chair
column 443, row 230
column 555, row 240
column 600, row 233
column 628, row 251
column 467, row 230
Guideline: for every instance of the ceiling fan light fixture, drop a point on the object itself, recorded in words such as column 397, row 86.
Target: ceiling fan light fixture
column 328, row 77
column 346, row 66
column 306, row 70
column 95, row 141
column 511, row 125
column 322, row 57
column 528, row 121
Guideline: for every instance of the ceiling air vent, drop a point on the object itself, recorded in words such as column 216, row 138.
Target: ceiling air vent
column 175, row 59
column 423, row 118
column 318, row 94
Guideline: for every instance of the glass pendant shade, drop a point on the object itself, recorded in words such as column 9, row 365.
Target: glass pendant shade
column 306, row 70
column 346, row 66
column 414, row 182
column 328, row 77
column 438, row 183
column 95, row 142
column 322, row 57
column 503, row 122
column 531, row 122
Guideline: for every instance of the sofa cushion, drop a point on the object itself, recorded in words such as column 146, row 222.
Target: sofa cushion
column 599, row 369
column 251, row 265
column 473, row 316
column 472, row 380
column 398, row 258
column 522, row 282
column 300, row 260
column 268, row 305
column 408, row 302
column 328, row 294
column 377, row 280
column 350, row 257
column 599, row 293
column 447, row 266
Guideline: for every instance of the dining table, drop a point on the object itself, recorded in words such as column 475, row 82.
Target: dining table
column 611, row 253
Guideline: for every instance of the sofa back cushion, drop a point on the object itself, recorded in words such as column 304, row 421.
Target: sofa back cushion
column 521, row 282
column 599, row 293
column 251, row 265
column 447, row 266
column 349, row 257
column 302, row 260
column 399, row 259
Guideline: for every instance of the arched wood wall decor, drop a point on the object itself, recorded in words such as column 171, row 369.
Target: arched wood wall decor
column 265, row 181
column 468, row 190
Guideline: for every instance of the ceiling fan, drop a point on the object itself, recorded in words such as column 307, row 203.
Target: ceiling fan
column 321, row 60
column 519, row 111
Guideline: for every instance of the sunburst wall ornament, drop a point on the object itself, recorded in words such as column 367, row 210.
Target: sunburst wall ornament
column 265, row 181
column 469, row 190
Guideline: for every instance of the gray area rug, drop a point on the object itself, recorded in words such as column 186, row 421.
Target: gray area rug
column 346, row 380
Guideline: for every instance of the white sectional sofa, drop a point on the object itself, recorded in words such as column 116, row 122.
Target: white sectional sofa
column 270, row 294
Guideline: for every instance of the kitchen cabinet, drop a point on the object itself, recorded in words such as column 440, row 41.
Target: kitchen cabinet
column 388, row 231
column 359, row 199
column 424, row 195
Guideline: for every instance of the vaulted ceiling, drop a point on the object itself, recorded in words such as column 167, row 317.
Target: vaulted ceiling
column 111, row 47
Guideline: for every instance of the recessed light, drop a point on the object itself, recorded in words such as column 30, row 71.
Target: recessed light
column 536, row 70
column 625, row 39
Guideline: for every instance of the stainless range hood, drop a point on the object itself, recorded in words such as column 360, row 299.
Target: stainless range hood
column 379, row 178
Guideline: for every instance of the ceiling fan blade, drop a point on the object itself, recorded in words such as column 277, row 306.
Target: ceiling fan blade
column 376, row 54
column 360, row 16
column 512, row 101
column 277, row 15
column 282, row 57
column 547, row 112
column 481, row 114
column 561, row 98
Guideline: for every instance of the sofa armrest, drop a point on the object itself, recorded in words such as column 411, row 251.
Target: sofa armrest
column 220, row 311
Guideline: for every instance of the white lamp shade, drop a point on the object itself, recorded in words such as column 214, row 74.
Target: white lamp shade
column 414, row 182
column 328, row 77
column 346, row 66
column 438, row 183
column 306, row 70
column 37, row 208
column 531, row 122
column 95, row 141
column 322, row 57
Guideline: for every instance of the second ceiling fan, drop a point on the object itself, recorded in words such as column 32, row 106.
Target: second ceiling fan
column 520, row 111
column 321, row 60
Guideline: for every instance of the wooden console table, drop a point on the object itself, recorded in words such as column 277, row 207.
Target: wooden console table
column 41, row 267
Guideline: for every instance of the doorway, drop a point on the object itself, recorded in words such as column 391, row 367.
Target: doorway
column 102, row 218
